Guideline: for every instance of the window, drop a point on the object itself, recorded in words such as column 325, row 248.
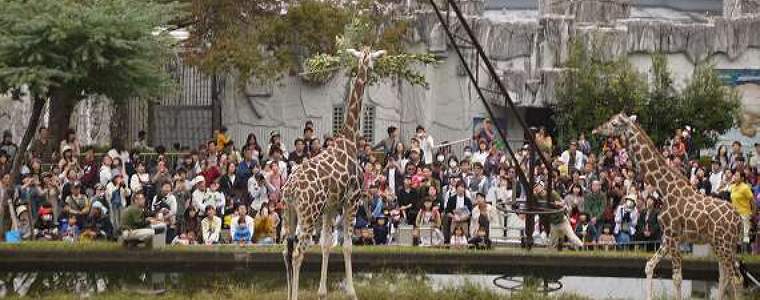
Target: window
column 367, row 121
column 338, row 117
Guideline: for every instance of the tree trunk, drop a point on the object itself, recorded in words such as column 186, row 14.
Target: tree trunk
column 118, row 127
column 62, row 106
column 216, row 102
column 38, row 103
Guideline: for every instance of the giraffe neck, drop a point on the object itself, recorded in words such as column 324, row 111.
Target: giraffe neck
column 653, row 166
column 354, row 107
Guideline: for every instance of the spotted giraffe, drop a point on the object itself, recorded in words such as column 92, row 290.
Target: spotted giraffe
column 687, row 215
column 321, row 187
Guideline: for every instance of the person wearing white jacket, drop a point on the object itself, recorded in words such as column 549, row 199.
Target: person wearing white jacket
column 117, row 194
column 257, row 190
column 426, row 143
column 140, row 178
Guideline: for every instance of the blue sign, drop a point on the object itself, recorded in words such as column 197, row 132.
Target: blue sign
column 734, row 77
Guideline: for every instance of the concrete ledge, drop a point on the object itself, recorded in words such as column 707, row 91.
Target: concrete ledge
column 440, row 263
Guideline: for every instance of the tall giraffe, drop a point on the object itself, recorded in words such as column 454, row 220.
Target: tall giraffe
column 324, row 185
column 687, row 215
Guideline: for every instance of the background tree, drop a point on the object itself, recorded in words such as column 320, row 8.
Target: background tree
column 268, row 38
column 398, row 66
column 68, row 50
column 594, row 90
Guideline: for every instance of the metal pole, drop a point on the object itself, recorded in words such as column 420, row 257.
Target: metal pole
column 520, row 172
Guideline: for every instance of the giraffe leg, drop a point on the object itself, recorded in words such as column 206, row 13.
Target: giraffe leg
column 326, row 241
column 298, row 254
column 735, row 276
column 722, row 282
column 349, row 211
column 288, row 233
column 652, row 264
column 676, row 260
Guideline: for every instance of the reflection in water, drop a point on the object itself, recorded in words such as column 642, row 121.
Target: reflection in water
column 91, row 284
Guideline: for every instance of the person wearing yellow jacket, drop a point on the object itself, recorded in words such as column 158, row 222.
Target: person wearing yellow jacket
column 741, row 198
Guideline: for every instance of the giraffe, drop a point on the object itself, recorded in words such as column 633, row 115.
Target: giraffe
column 687, row 215
column 322, row 186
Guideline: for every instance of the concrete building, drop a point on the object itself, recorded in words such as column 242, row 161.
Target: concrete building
column 527, row 40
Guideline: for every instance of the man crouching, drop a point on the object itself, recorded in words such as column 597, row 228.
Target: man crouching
column 136, row 228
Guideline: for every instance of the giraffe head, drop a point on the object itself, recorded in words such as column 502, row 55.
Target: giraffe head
column 618, row 125
column 366, row 56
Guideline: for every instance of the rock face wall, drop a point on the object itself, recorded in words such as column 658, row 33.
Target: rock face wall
column 528, row 49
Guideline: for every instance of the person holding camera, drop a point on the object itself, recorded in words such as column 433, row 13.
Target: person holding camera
column 116, row 195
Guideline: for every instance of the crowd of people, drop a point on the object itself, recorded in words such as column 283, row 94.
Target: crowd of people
column 220, row 193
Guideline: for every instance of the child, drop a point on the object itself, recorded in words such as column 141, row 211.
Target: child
column 45, row 229
column 365, row 239
column 458, row 240
column 607, row 239
column 481, row 241
column 71, row 233
column 429, row 218
column 380, row 231
column 242, row 232
column 585, row 231
column 187, row 238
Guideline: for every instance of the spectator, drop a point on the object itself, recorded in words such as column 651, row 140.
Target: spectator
column 298, row 155
column 211, row 226
column 648, row 229
column 754, row 162
column 7, row 144
column 380, row 231
column 97, row 226
column 242, row 233
column 241, row 215
column 736, row 152
column 626, row 218
column 480, row 156
column 41, row 147
column 71, row 142
column 573, row 158
column 252, row 144
column 77, row 204
column 484, row 215
column 594, row 203
column 606, row 239
column 480, row 240
column 584, row 145
column 426, row 144
column 202, row 197
column 191, row 223
column 458, row 239
column 458, row 210
column 429, row 218
column 389, row 143
column 116, row 195
column 275, row 142
column 486, row 132
column 585, row 231
column 142, row 142
column 716, row 177
column 742, row 199
column 265, row 225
